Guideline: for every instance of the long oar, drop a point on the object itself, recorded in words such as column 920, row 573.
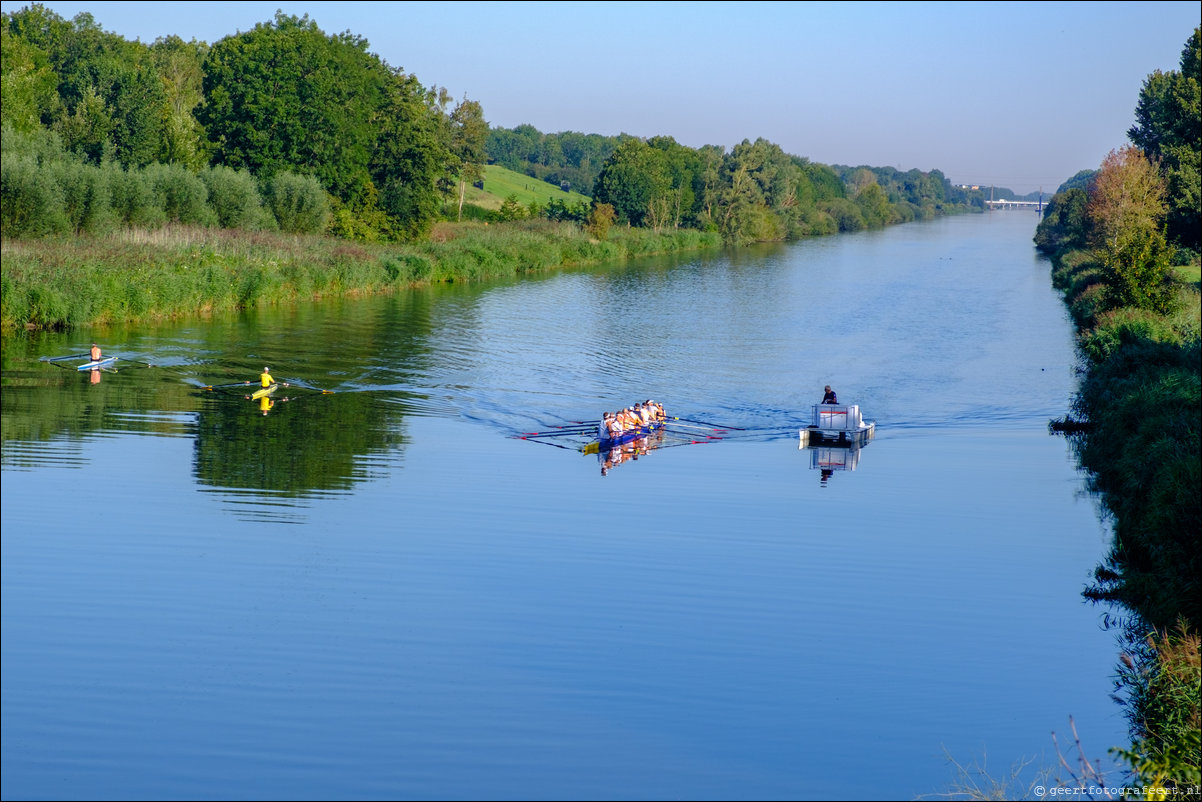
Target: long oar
column 562, row 431
column 224, row 386
column 705, row 423
column 687, row 426
column 548, row 443
column 548, row 435
column 62, row 358
column 303, row 386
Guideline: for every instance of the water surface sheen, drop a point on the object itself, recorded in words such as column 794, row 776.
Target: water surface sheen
column 380, row 592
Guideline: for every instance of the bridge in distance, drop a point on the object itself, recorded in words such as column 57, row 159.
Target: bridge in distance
column 1015, row 204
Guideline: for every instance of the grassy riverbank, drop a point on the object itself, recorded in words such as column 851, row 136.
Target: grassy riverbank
column 136, row 275
column 1138, row 435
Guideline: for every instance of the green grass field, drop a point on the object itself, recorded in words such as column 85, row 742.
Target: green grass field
column 500, row 183
column 1190, row 274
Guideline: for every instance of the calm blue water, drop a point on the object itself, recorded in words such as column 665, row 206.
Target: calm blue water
column 381, row 593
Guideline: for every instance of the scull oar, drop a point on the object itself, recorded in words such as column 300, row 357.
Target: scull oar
column 62, row 358
column 224, row 386
column 544, row 442
column 551, row 435
column 687, row 426
column 704, row 423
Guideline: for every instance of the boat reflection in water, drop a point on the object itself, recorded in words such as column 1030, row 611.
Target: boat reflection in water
column 628, row 450
column 829, row 459
column 835, row 437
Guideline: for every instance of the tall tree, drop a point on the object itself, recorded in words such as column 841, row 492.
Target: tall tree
column 180, row 68
column 285, row 96
column 28, row 84
column 411, row 153
column 1126, row 210
column 633, row 179
column 469, row 136
column 115, row 82
column 1168, row 129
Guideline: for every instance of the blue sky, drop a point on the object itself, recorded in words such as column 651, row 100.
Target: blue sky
column 1015, row 94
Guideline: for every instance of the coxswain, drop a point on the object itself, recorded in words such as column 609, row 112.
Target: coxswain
column 265, row 378
column 94, row 354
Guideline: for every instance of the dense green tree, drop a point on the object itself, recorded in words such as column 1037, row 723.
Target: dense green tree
column 678, row 204
column 1082, row 180
column 286, row 96
column 180, row 66
column 469, row 135
column 825, row 181
column 28, row 84
column 115, row 82
column 411, row 153
column 635, row 181
column 740, row 199
column 874, row 206
column 1168, row 129
column 1065, row 223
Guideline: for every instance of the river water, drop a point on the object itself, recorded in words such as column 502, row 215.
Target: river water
column 376, row 589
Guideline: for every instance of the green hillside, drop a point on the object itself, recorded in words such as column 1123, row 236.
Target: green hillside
column 500, row 183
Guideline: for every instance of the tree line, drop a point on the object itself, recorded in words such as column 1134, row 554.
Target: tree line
column 293, row 119
column 281, row 104
column 1124, row 241
column 756, row 191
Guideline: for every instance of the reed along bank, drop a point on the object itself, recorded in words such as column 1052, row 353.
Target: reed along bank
column 136, row 275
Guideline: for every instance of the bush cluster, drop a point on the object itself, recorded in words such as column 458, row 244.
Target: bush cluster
column 46, row 191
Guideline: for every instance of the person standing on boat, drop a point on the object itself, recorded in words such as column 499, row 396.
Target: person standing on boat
column 265, row 378
column 829, row 398
column 94, row 354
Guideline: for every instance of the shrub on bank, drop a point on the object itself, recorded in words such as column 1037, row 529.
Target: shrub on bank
column 233, row 195
column 298, row 203
column 30, row 200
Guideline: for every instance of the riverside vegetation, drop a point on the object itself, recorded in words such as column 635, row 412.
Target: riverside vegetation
column 175, row 271
column 1124, row 247
column 119, row 153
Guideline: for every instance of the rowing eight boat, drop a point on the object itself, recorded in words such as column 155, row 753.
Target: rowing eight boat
column 605, row 443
